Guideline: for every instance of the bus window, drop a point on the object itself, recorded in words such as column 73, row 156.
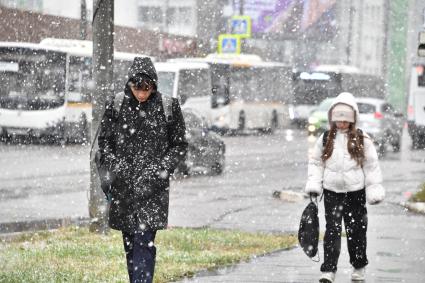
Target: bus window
column 79, row 79
column 245, row 84
column 194, row 83
column 36, row 82
column 270, row 84
column 312, row 91
column 266, row 83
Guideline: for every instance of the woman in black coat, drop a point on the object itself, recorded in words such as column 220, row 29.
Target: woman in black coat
column 140, row 148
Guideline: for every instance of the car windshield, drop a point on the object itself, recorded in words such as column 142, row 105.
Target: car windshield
column 366, row 108
column 324, row 106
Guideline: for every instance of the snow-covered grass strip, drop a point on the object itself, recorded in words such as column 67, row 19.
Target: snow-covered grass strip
column 75, row 255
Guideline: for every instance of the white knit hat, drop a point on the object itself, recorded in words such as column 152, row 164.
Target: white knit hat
column 342, row 112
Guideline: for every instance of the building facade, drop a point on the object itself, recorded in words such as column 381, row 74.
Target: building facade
column 176, row 17
column 67, row 9
column 27, row 5
column 125, row 12
column 201, row 19
column 361, row 39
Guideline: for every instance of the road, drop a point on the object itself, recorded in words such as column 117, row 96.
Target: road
column 257, row 166
column 42, row 181
column 47, row 182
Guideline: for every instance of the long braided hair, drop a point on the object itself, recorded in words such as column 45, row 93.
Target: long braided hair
column 355, row 144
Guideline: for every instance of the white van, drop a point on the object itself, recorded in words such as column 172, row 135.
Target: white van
column 416, row 106
column 190, row 82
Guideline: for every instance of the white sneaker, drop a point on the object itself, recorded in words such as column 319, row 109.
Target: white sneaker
column 327, row 277
column 358, row 274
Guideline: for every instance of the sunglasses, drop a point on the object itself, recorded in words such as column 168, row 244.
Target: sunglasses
column 143, row 85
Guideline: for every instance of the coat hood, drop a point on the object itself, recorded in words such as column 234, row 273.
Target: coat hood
column 143, row 66
column 347, row 99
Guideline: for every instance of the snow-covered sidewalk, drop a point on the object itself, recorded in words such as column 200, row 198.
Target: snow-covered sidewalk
column 396, row 252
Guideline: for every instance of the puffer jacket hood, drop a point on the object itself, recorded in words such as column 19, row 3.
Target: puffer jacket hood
column 344, row 98
column 143, row 65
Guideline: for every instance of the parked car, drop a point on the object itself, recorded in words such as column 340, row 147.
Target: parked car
column 377, row 118
column 206, row 151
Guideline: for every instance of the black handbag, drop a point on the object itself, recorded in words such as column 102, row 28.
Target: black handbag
column 308, row 233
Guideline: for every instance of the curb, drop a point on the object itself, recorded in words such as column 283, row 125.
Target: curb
column 225, row 269
column 418, row 207
column 289, row 196
column 12, row 228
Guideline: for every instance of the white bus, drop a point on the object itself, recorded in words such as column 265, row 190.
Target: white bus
column 416, row 106
column 248, row 93
column 311, row 87
column 45, row 88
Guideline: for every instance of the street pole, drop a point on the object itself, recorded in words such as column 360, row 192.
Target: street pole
column 165, row 20
column 83, row 20
column 350, row 33
column 241, row 7
column 103, row 52
column 241, row 11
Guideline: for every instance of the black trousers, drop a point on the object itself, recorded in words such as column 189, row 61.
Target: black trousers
column 140, row 253
column 351, row 207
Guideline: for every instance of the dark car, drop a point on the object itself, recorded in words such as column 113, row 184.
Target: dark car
column 206, row 151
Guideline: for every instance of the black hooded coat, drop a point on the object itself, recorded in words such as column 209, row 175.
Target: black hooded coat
column 140, row 149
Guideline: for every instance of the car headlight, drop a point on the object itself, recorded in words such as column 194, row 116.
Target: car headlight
column 313, row 120
column 220, row 118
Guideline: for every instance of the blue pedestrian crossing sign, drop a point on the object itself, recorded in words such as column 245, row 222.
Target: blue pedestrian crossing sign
column 241, row 25
column 229, row 43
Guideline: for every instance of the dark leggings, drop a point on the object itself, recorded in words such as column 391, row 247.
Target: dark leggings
column 140, row 253
column 351, row 207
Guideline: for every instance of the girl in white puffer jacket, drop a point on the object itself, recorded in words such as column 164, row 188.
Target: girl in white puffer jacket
column 346, row 171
